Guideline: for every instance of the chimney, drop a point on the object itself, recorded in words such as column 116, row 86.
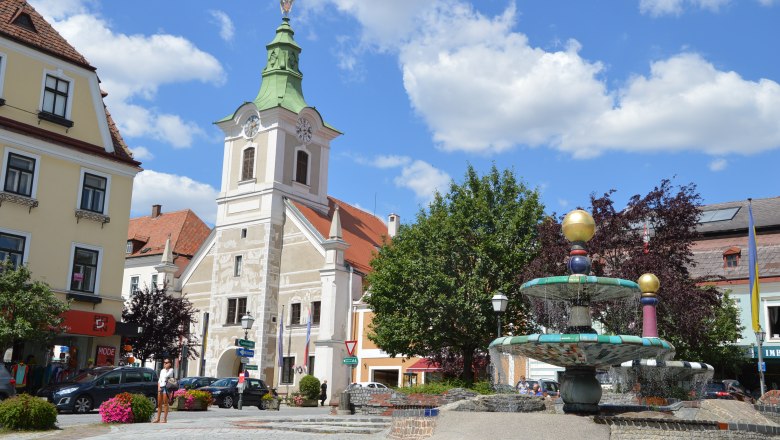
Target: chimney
column 393, row 222
column 156, row 210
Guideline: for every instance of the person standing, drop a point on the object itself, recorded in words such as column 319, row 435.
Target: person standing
column 522, row 386
column 163, row 393
column 323, row 392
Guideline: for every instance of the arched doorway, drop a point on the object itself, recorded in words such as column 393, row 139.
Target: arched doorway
column 228, row 363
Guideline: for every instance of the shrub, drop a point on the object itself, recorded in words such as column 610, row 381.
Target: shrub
column 25, row 412
column 310, row 387
column 142, row 407
column 443, row 387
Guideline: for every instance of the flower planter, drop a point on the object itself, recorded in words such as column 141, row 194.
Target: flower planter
column 180, row 405
column 310, row 402
column 271, row 404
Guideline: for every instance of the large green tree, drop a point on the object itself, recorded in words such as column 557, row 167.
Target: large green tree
column 29, row 310
column 430, row 288
column 699, row 320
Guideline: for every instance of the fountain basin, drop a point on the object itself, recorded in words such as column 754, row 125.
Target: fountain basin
column 585, row 349
column 586, row 287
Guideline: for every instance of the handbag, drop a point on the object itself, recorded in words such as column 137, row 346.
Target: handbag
column 171, row 384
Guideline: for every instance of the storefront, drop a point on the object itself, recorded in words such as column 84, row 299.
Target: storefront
column 750, row 376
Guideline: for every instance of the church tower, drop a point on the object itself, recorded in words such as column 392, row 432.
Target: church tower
column 276, row 152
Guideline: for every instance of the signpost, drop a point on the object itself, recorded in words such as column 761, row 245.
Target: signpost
column 350, row 360
column 245, row 352
column 245, row 343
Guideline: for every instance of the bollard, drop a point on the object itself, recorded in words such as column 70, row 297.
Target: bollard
column 344, row 404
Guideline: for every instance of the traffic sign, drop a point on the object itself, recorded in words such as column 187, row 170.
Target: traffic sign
column 762, row 366
column 246, row 343
column 351, row 347
column 350, row 360
column 244, row 360
column 250, row 367
column 245, row 352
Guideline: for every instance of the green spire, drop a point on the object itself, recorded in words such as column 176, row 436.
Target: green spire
column 281, row 84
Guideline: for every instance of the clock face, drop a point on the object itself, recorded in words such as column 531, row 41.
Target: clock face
column 251, row 126
column 303, row 130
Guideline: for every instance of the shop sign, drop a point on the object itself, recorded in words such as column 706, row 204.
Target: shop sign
column 105, row 356
column 771, row 352
column 77, row 322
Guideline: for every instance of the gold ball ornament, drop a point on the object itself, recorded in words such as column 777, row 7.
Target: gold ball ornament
column 578, row 225
column 648, row 283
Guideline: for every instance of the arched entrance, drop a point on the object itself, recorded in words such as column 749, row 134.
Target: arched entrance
column 228, row 363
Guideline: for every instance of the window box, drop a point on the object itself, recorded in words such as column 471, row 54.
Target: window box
column 94, row 216
column 94, row 299
column 55, row 119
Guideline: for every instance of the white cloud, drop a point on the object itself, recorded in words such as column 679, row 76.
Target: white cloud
column 142, row 153
column 167, row 59
column 226, row 29
column 718, row 165
column 391, row 161
column 173, row 193
column 768, row 2
column 657, row 8
column 417, row 175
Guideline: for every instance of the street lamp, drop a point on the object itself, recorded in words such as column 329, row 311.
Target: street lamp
column 499, row 306
column 246, row 323
column 760, row 337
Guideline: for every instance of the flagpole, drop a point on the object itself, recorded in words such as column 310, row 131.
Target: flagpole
column 755, row 293
column 289, row 343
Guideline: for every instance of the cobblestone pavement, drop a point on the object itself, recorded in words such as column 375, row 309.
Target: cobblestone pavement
column 731, row 411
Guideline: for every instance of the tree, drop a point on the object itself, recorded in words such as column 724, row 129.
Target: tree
column 686, row 309
column 165, row 320
column 430, row 288
column 29, row 310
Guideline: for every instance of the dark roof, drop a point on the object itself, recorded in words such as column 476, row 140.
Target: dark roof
column 709, row 263
column 766, row 215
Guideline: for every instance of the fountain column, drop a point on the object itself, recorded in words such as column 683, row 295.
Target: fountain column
column 649, row 285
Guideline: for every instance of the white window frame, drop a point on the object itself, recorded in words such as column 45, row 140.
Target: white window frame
column 81, row 188
column 131, row 292
column 238, row 263
column 154, row 283
column 253, row 177
column 3, row 62
column 99, row 269
column 71, row 87
column 27, row 237
column 36, row 168
column 308, row 166
column 129, row 247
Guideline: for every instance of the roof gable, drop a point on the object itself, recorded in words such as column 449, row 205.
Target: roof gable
column 187, row 232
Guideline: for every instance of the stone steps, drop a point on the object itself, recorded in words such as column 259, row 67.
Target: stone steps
column 322, row 425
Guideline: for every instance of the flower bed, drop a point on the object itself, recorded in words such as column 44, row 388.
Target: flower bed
column 191, row 400
column 126, row 408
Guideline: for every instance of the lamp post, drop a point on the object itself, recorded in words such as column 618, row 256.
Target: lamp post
column 499, row 306
column 760, row 336
column 246, row 323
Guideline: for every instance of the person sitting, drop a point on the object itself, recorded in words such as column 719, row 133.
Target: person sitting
column 536, row 390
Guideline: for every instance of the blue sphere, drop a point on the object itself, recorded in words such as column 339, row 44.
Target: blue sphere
column 579, row 265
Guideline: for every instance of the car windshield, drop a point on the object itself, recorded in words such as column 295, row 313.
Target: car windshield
column 225, row 383
column 716, row 387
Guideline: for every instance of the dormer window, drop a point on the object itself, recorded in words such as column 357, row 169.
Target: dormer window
column 248, row 164
column 24, row 20
column 57, row 97
column 731, row 257
column 129, row 249
column 302, row 167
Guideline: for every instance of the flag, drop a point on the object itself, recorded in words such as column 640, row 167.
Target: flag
column 753, row 267
column 308, row 338
column 281, row 340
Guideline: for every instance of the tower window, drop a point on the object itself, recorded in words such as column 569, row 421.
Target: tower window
column 248, row 164
column 302, row 167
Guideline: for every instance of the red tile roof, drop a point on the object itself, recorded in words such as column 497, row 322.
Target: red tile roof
column 186, row 229
column 362, row 231
column 44, row 38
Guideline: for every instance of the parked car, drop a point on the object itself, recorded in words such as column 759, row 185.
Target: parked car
column 225, row 392
column 373, row 385
column 193, row 382
column 86, row 391
column 551, row 387
column 7, row 384
column 726, row 390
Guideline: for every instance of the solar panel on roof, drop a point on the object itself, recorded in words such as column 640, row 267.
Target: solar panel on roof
column 717, row 215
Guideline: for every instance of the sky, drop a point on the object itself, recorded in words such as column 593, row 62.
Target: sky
column 577, row 98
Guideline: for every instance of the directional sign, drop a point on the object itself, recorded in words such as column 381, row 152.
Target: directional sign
column 250, row 367
column 351, row 347
column 245, row 352
column 244, row 360
column 350, row 360
column 246, row 343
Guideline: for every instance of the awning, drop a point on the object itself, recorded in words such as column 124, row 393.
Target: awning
column 424, row 366
column 77, row 322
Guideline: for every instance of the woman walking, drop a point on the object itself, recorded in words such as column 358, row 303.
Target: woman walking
column 163, row 393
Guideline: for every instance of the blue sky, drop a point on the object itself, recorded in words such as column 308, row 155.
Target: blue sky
column 577, row 97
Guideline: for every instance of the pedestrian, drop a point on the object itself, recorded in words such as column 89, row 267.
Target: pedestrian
column 522, row 386
column 323, row 392
column 163, row 392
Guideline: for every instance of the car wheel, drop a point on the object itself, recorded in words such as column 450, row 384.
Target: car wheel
column 153, row 400
column 82, row 405
column 227, row 402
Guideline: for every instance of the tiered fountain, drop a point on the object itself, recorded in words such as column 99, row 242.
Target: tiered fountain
column 581, row 350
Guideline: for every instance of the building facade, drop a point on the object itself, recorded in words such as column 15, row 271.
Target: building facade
column 66, row 184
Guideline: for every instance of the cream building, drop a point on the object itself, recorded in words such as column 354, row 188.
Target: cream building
column 66, row 180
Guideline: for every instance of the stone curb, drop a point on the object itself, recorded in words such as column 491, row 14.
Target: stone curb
column 686, row 425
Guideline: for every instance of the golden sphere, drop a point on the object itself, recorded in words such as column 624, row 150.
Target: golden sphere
column 649, row 283
column 578, row 225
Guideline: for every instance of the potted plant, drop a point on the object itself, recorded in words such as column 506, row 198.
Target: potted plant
column 191, row 400
column 270, row 402
column 310, row 388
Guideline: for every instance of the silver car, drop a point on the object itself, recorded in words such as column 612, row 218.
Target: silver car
column 7, row 384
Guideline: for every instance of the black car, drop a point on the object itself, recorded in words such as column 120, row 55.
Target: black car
column 225, row 392
column 194, row 382
column 86, row 391
column 726, row 390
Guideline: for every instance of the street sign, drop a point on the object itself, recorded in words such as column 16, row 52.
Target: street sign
column 762, row 366
column 351, row 347
column 245, row 352
column 244, row 360
column 250, row 367
column 246, row 343
column 350, row 360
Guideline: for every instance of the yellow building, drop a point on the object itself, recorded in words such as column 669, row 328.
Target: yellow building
column 65, row 184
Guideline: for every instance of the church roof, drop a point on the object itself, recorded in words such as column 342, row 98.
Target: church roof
column 186, row 229
column 362, row 231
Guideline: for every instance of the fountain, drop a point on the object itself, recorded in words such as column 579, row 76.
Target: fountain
column 581, row 350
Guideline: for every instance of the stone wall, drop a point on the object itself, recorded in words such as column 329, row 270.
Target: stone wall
column 625, row 428
column 412, row 424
